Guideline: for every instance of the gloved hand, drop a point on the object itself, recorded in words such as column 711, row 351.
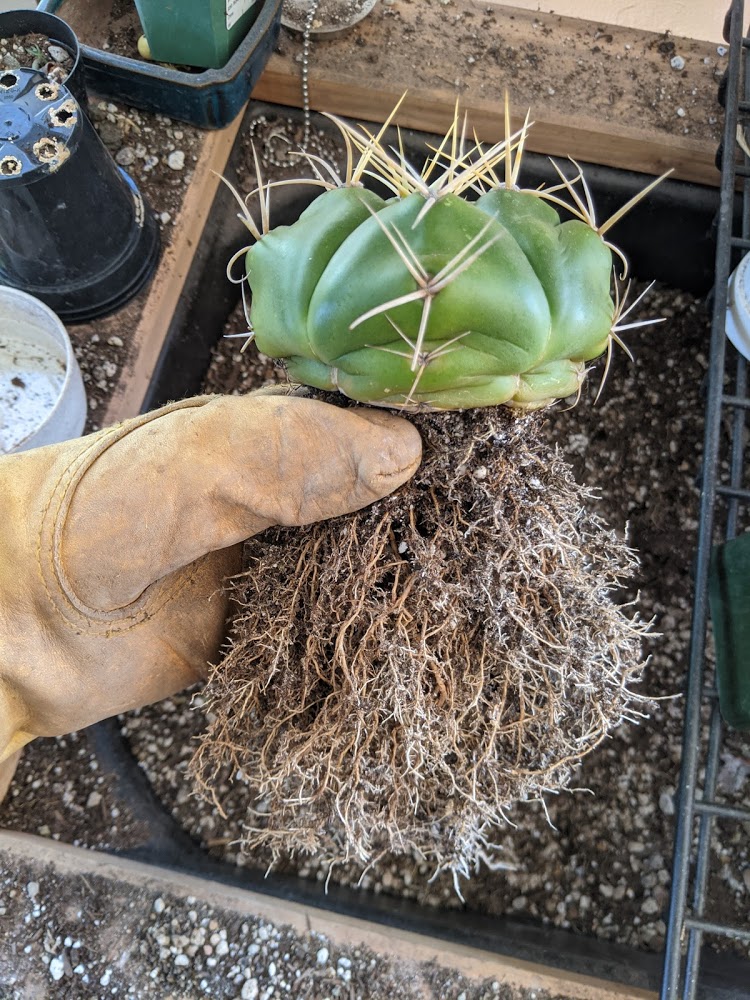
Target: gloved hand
column 113, row 547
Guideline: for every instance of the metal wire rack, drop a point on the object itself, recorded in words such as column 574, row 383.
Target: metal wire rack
column 724, row 513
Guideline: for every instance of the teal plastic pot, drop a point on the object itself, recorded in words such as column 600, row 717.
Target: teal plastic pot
column 729, row 595
column 202, row 33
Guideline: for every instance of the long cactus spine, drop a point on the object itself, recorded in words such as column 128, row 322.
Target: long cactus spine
column 456, row 289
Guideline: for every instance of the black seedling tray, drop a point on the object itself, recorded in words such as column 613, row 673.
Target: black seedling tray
column 669, row 238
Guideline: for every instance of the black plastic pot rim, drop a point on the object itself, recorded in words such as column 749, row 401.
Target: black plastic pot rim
column 47, row 17
column 94, row 305
column 58, row 24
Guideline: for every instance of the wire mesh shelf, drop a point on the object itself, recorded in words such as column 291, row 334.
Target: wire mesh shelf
column 724, row 514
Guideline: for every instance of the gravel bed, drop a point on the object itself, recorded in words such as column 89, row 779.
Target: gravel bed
column 89, row 936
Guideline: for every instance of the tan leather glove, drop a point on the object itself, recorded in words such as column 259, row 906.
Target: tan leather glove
column 113, row 546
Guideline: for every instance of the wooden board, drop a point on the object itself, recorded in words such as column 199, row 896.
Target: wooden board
column 599, row 93
column 395, row 943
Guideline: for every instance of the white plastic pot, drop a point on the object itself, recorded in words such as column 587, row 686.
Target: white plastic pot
column 738, row 307
column 42, row 398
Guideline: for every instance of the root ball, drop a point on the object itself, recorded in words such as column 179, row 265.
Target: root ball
column 397, row 678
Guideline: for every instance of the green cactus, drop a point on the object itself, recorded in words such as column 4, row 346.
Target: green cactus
column 425, row 299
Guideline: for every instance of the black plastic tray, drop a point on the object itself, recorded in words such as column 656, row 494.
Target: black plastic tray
column 670, row 238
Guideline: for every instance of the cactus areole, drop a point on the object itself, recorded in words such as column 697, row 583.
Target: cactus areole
column 456, row 290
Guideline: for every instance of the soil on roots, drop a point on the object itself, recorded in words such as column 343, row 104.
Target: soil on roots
column 397, row 677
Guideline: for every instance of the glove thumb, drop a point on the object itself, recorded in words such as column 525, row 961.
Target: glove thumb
column 160, row 491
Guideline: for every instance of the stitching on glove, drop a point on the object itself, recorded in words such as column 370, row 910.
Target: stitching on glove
column 78, row 616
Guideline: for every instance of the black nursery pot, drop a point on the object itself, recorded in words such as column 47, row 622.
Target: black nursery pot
column 27, row 22
column 76, row 232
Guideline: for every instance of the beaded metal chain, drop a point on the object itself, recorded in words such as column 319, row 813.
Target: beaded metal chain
column 306, row 38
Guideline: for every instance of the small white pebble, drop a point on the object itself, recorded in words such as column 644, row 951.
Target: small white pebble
column 57, row 968
column 58, row 53
column 322, row 956
column 125, row 156
column 249, row 990
column 677, row 62
column 32, row 889
column 176, row 160
column 158, row 905
column 666, row 803
column 680, row 112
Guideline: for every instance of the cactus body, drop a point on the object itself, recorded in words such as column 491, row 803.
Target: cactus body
column 428, row 300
